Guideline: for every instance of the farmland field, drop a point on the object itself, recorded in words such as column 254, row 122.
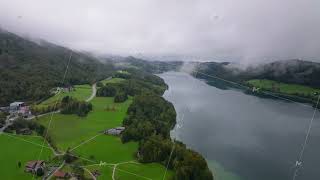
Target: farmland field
column 83, row 136
column 71, row 130
column 15, row 148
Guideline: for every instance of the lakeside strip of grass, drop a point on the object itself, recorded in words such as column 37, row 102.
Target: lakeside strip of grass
column 278, row 87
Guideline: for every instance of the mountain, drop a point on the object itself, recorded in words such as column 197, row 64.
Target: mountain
column 28, row 70
column 149, row 66
column 286, row 71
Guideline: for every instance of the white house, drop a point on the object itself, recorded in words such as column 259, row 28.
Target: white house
column 15, row 106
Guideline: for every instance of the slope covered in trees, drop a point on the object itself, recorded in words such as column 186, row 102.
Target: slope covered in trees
column 149, row 121
column 29, row 70
column 288, row 71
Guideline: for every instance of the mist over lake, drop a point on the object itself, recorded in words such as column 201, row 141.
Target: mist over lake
column 243, row 136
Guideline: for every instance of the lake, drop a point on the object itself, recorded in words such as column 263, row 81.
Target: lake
column 243, row 136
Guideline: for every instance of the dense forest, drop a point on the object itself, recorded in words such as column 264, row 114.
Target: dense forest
column 288, row 71
column 29, row 70
column 154, row 66
column 149, row 121
column 136, row 82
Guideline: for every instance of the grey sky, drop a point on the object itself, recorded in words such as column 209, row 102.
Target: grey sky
column 246, row 30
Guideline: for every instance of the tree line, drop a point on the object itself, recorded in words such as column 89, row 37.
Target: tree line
column 70, row 105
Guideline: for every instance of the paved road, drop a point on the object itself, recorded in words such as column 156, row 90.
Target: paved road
column 94, row 92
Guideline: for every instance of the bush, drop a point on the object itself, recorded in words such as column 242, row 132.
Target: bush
column 108, row 90
column 72, row 106
column 120, row 97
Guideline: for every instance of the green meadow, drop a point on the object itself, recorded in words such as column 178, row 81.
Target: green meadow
column 68, row 131
column 80, row 92
column 15, row 148
column 108, row 149
column 113, row 80
column 291, row 89
column 83, row 136
column 152, row 171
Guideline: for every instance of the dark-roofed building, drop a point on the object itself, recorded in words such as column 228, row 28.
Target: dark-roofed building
column 34, row 166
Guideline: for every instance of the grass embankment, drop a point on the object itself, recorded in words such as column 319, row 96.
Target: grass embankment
column 69, row 131
column 295, row 91
column 14, row 148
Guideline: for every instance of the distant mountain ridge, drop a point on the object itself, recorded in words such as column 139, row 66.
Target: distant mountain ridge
column 28, row 70
column 287, row 71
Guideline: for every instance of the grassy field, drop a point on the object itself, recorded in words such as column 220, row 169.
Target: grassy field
column 153, row 171
column 71, row 130
column 81, row 92
column 113, row 80
column 84, row 138
column 14, row 148
column 133, row 171
column 292, row 89
column 108, row 149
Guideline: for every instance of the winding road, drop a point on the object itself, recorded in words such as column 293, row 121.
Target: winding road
column 94, row 92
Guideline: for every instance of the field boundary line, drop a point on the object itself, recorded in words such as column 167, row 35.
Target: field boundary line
column 93, row 177
column 86, row 141
column 30, row 142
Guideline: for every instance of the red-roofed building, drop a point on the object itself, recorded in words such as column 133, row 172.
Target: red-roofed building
column 61, row 174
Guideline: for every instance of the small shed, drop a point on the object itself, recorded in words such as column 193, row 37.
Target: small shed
column 115, row 131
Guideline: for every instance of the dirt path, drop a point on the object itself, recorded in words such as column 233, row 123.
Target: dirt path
column 93, row 177
column 52, row 173
column 94, row 92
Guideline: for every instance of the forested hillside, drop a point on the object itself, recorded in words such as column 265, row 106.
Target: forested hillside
column 289, row 71
column 29, row 70
column 149, row 66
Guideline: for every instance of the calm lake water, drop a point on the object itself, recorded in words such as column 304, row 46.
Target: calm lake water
column 243, row 136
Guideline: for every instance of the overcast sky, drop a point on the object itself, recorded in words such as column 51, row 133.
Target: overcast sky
column 238, row 30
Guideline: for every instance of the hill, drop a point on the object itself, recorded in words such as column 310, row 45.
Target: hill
column 28, row 70
column 287, row 71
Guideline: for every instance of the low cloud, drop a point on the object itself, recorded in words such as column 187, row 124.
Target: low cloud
column 240, row 31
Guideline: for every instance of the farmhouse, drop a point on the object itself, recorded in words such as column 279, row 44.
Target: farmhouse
column 15, row 106
column 115, row 131
column 34, row 166
column 20, row 108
